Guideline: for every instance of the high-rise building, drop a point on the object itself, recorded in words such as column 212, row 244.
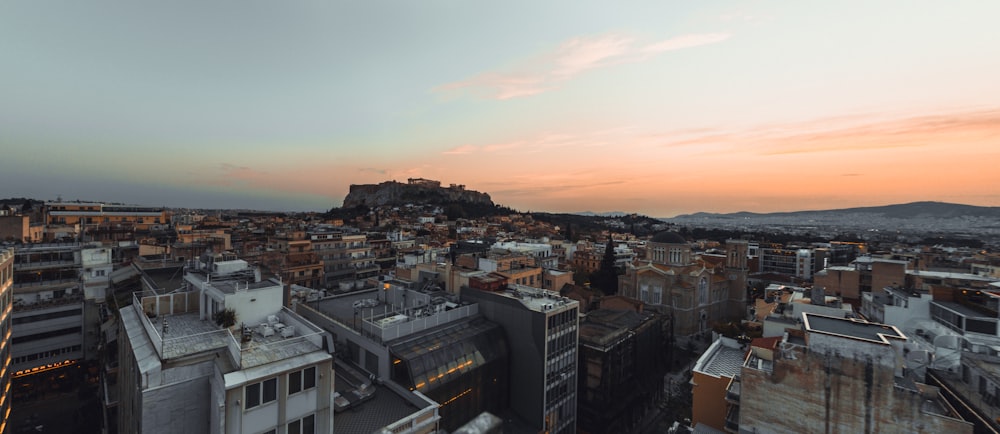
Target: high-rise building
column 48, row 309
column 622, row 364
column 542, row 332
column 6, row 312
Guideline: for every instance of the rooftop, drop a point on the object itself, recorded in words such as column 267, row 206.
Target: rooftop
column 722, row 359
column 537, row 299
column 178, row 332
column 384, row 408
column 851, row 328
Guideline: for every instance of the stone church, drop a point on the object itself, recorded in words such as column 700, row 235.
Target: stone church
column 697, row 290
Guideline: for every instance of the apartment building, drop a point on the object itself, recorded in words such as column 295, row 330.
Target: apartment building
column 621, row 367
column 542, row 330
column 835, row 375
column 91, row 216
column 222, row 355
column 6, row 313
column 346, row 258
column 294, row 261
column 48, row 307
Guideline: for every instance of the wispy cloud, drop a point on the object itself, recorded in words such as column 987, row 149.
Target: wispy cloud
column 544, row 142
column 570, row 59
column 853, row 133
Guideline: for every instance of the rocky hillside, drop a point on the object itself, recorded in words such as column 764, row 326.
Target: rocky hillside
column 415, row 191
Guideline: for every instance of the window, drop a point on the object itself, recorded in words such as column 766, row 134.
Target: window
column 306, row 425
column 301, row 380
column 261, row 393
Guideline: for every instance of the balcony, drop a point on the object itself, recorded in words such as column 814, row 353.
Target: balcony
column 733, row 391
column 733, row 419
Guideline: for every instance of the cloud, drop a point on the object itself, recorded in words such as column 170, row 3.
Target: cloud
column 461, row 150
column 372, row 170
column 570, row 59
column 540, row 143
column 850, row 133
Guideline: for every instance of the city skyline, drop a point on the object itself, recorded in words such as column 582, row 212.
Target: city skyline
column 664, row 108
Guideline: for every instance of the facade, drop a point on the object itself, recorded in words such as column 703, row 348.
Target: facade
column 621, row 367
column 91, row 216
column 18, row 228
column 695, row 292
column 836, row 375
column 542, row 329
column 711, row 379
column 295, row 262
column 346, row 258
column 6, row 310
column 182, row 371
column 48, row 307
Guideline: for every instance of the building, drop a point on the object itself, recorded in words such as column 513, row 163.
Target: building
column 712, row 379
column 695, row 291
column 18, row 228
column 622, row 362
column 92, row 216
column 836, row 375
column 347, row 259
column 6, row 310
column 48, row 307
column 542, row 331
column 294, row 262
column 424, row 342
column 221, row 355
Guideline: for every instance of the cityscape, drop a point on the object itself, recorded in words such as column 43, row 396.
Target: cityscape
column 482, row 218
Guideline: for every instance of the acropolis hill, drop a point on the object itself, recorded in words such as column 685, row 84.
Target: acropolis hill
column 415, row 190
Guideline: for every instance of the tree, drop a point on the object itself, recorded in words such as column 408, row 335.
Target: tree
column 606, row 277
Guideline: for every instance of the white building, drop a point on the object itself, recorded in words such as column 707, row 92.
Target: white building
column 270, row 372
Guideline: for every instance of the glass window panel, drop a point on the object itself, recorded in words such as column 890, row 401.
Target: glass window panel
column 270, row 390
column 253, row 395
column 294, row 382
column 309, row 378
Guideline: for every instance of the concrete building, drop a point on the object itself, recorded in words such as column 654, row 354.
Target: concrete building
column 180, row 370
column 695, row 291
column 6, row 310
column 711, row 380
column 837, row 375
column 542, row 329
column 347, row 259
column 18, row 228
column 91, row 216
column 48, row 307
column 621, row 367
column 422, row 342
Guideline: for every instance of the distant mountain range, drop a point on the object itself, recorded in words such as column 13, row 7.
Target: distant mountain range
column 940, row 210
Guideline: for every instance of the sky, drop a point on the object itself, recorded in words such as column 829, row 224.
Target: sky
column 655, row 107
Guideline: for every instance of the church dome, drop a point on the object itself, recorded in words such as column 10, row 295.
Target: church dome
column 668, row 237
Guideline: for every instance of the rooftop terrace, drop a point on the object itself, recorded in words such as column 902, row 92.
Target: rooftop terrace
column 173, row 324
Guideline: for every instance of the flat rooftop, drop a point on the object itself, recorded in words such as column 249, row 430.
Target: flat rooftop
column 537, row 299
column 385, row 408
column 855, row 329
column 722, row 359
